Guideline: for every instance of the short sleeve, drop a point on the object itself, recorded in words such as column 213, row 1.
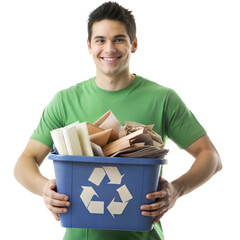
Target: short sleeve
column 52, row 118
column 182, row 127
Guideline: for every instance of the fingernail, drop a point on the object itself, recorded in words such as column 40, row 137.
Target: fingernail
column 65, row 198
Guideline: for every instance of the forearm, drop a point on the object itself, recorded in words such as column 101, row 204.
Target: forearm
column 27, row 174
column 207, row 163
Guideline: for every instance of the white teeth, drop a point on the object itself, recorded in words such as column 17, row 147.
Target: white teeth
column 110, row 59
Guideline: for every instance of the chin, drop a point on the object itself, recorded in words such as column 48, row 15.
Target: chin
column 111, row 73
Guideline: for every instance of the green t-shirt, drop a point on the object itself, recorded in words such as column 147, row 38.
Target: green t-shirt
column 141, row 101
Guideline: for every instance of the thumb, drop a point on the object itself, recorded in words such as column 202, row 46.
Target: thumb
column 53, row 184
column 161, row 182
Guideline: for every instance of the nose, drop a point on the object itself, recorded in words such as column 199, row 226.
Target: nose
column 110, row 47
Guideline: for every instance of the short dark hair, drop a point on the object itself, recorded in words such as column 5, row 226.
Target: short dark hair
column 113, row 11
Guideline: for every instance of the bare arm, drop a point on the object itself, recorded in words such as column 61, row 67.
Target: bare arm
column 28, row 174
column 27, row 167
column 207, row 163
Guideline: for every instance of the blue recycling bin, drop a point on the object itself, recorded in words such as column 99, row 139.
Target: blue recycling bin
column 106, row 192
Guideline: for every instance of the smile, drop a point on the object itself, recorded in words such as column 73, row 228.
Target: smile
column 110, row 59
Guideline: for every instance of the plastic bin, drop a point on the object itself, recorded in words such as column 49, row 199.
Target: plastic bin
column 106, row 192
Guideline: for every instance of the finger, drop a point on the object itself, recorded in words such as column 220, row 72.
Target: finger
column 55, row 195
column 157, row 218
column 56, row 203
column 154, row 213
column 162, row 180
column 50, row 191
column 52, row 185
column 159, row 194
column 56, row 216
column 57, row 210
column 153, row 206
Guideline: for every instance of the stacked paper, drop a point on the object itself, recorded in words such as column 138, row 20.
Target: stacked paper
column 106, row 137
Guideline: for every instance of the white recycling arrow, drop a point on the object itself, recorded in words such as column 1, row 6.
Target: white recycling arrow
column 124, row 193
column 116, row 207
column 87, row 194
column 97, row 176
column 96, row 207
column 114, row 175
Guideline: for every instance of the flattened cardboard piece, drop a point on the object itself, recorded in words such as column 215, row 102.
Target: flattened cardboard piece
column 59, row 142
column 156, row 137
column 97, row 150
column 108, row 120
column 84, row 138
column 138, row 144
column 72, row 140
column 83, row 135
column 157, row 144
column 100, row 120
column 93, row 129
column 123, row 145
column 122, row 132
column 146, row 151
column 137, row 125
column 146, row 138
column 130, row 126
column 114, row 136
column 101, row 138
column 123, row 139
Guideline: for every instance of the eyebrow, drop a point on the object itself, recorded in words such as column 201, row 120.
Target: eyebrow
column 116, row 36
column 120, row 35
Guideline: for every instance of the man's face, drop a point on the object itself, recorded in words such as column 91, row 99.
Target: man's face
column 110, row 47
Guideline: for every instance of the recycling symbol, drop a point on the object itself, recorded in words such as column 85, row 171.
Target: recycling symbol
column 96, row 177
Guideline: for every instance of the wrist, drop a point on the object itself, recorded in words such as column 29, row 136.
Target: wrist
column 179, row 188
column 44, row 184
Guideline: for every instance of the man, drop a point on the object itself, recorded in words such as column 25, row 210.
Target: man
column 111, row 40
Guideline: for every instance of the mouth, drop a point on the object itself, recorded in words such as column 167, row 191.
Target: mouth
column 110, row 59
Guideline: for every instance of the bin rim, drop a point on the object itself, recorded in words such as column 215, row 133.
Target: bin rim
column 111, row 160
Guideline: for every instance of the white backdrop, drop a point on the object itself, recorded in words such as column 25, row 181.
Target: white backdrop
column 190, row 46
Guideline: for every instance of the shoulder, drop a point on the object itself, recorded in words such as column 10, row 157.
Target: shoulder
column 68, row 95
column 151, row 84
column 154, row 87
column 75, row 89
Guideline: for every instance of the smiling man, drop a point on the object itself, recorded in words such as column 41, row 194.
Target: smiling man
column 111, row 48
column 111, row 41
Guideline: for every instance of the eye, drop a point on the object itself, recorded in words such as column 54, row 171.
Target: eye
column 99, row 41
column 119, row 40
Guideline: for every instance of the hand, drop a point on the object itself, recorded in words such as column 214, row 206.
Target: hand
column 55, row 201
column 166, row 198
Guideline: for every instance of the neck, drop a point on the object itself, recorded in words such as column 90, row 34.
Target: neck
column 114, row 83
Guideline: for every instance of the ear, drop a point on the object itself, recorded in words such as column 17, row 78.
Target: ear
column 89, row 46
column 134, row 46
